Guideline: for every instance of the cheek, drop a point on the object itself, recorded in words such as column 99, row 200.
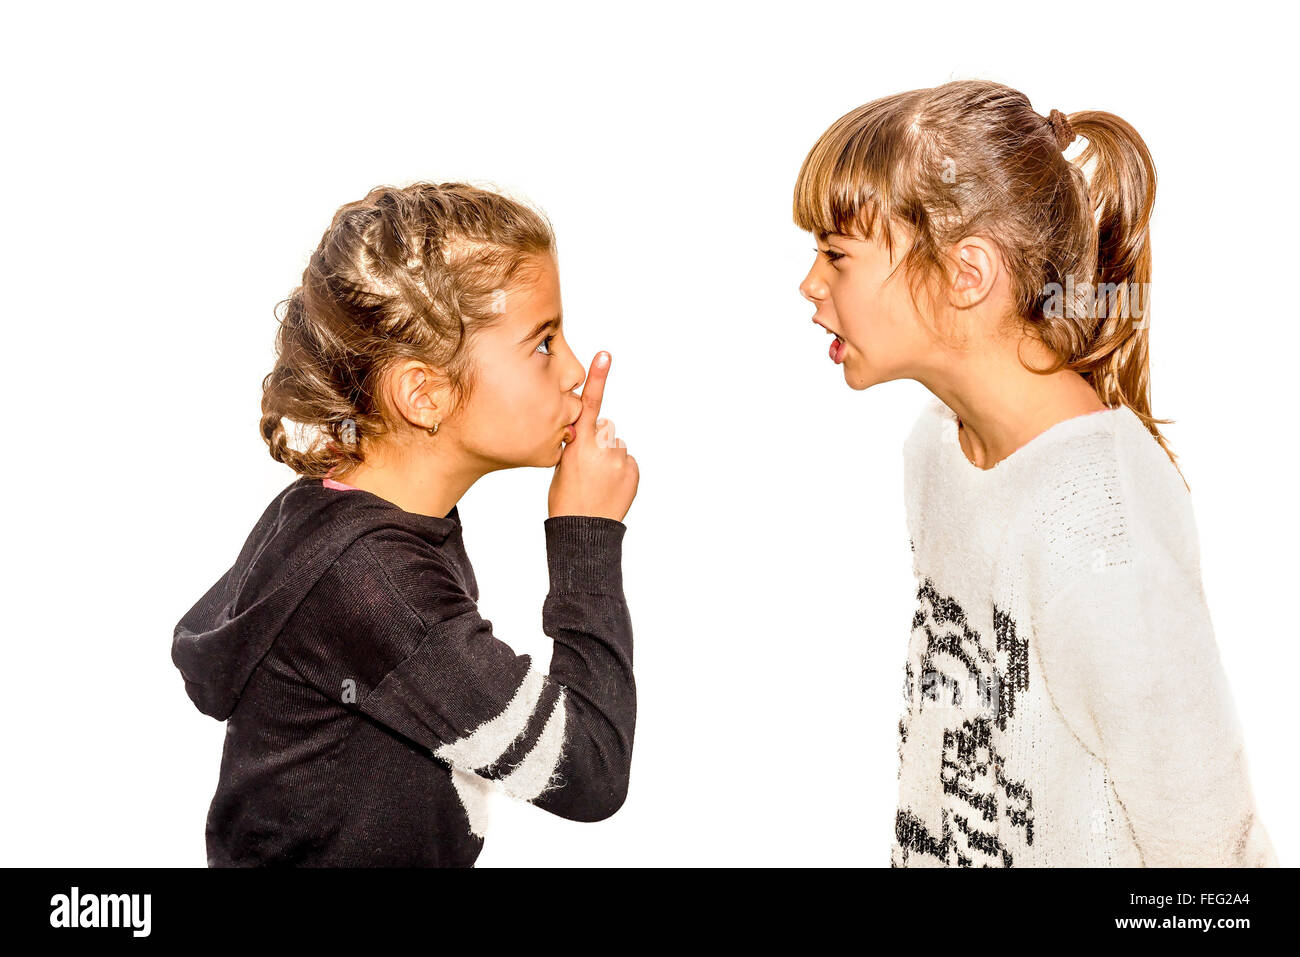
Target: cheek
column 533, row 388
column 514, row 402
column 879, row 304
column 858, row 305
column 488, row 418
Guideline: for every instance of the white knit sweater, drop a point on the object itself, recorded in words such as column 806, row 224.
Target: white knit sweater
column 1065, row 701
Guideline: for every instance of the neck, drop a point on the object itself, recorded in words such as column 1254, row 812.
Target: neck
column 1002, row 405
column 425, row 482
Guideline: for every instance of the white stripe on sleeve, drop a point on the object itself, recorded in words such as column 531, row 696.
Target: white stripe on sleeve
column 489, row 741
column 533, row 774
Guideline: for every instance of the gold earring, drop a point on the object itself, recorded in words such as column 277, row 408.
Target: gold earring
column 434, row 430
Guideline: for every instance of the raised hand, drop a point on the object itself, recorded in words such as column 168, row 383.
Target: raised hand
column 595, row 474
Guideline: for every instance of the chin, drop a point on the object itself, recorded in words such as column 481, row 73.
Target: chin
column 858, row 380
column 852, row 377
column 546, row 458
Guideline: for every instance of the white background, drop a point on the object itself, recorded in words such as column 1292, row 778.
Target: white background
column 169, row 170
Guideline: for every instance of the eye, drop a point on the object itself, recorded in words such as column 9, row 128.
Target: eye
column 830, row 254
column 547, row 342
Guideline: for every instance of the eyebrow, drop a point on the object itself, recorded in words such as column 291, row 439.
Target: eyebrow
column 544, row 325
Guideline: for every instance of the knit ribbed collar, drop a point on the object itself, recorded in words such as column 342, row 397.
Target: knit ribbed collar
column 955, row 458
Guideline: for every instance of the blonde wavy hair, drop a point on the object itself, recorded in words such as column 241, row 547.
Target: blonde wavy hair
column 972, row 157
column 403, row 273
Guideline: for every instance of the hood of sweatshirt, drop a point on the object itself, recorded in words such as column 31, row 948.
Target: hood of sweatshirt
column 221, row 640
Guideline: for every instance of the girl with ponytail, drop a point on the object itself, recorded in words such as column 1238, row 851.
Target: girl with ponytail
column 1064, row 701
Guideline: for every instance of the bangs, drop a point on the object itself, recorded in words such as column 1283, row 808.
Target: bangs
column 844, row 183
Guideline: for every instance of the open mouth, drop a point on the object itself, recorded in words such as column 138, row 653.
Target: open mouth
column 837, row 350
column 837, row 347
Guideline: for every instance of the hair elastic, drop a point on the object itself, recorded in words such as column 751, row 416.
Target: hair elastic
column 1061, row 127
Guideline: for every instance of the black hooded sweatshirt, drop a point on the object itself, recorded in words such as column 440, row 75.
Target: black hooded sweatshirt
column 370, row 708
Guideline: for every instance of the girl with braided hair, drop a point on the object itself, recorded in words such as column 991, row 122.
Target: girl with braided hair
column 371, row 710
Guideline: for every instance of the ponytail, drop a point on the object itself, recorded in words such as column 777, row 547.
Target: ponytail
column 1122, row 192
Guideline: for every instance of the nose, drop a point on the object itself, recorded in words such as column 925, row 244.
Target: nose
column 812, row 288
column 576, row 373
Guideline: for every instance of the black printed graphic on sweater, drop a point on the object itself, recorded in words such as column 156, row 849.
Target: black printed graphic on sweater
column 975, row 684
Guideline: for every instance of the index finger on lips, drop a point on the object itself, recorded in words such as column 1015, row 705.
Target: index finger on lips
column 593, row 390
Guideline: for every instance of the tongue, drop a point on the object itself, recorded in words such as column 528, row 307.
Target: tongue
column 837, row 351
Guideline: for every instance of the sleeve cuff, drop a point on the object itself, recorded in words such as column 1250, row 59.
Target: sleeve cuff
column 584, row 553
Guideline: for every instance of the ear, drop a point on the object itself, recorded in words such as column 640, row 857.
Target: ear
column 419, row 393
column 973, row 271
